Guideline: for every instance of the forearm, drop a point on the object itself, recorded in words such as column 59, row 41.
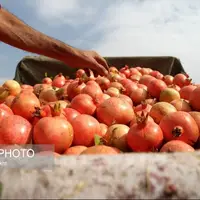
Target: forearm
column 16, row 33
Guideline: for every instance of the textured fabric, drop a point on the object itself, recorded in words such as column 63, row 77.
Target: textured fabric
column 31, row 70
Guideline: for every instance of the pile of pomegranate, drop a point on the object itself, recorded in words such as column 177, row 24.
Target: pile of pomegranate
column 133, row 109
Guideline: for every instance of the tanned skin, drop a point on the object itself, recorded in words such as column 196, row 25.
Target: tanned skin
column 16, row 33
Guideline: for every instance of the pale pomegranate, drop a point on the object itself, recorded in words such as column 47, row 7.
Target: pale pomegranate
column 103, row 82
column 168, row 79
column 134, row 71
column 181, row 105
column 168, row 95
column 114, row 111
column 112, row 92
column 38, row 88
column 180, row 126
column 116, row 136
column 138, row 95
column 161, row 109
column 12, row 86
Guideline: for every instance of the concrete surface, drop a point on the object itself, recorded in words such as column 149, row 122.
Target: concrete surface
column 126, row 176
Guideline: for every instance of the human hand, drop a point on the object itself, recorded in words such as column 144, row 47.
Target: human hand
column 90, row 59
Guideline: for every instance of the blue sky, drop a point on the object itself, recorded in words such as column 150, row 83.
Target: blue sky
column 113, row 28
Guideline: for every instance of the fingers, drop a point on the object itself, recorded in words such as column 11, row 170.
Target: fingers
column 100, row 69
column 102, row 61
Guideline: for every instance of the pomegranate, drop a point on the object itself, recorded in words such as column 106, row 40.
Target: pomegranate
column 47, row 80
column 145, row 136
column 161, row 109
column 114, row 111
column 84, row 104
column 54, row 131
column 125, row 70
column 194, row 99
column 116, row 136
column 150, row 101
column 126, row 98
column 196, row 116
column 75, row 150
column 155, row 87
column 103, row 82
column 176, row 146
column 181, row 105
column 134, row 71
column 176, row 87
column 156, row 74
column 103, row 129
column 62, row 104
column 139, row 118
column 138, row 94
column 181, row 80
column 12, row 86
column 93, row 89
column 117, row 85
column 58, row 81
column 9, row 100
column 75, row 88
column 112, row 92
column 169, row 94
column 85, row 128
column 71, row 114
column 180, row 126
column 143, row 107
column 186, row 91
column 15, row 129
column 146, row 79
column 38, row 88
column 129, row 86
column 168, row 79
column 50, row 95
column 5, row 111
column 101, row 99
column 135, row 77
column 24, row 105
column 101, row 149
